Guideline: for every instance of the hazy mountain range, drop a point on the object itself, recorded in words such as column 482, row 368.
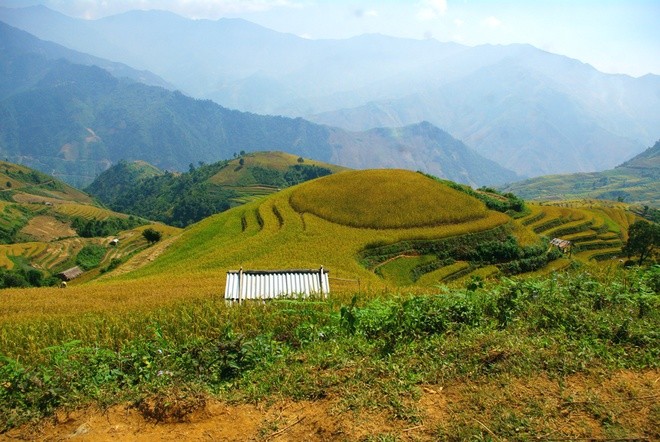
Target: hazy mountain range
column 73, row 121
column 529, row 110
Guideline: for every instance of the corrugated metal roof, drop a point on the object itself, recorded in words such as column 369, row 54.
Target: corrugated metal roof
column 272, row 284
column 561, row 243
column 69, row 274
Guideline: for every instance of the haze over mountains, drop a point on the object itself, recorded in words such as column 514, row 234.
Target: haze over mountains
column 73, row 121
column 635, row 181
column 531, row 111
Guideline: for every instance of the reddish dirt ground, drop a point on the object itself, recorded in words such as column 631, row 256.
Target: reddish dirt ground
column 575, row 408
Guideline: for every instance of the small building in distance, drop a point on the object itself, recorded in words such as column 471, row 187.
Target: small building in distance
column 562, row 244
column 69, row 274
column 114, row 242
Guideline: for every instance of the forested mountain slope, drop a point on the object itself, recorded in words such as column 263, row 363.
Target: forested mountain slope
column 530, row 110
column 74, row 121
column 184, row 198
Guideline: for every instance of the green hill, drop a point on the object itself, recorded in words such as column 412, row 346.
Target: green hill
column 635, row 181
column 46, row 224
column 181, row 199
column 383, row 227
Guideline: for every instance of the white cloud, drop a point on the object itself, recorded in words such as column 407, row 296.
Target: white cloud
column 431, row 9
column 492, row 22
column 458, row 22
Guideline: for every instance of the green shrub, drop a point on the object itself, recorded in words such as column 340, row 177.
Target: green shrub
column 90, row 256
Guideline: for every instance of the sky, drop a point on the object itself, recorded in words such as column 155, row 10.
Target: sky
column 614, row 36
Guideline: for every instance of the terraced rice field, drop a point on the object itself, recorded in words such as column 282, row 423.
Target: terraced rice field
column 47, row 228
column 445, row 274
column 597, row 232
column 86, row 211
column 273, row 233
column 376, row 199
column 27, row 250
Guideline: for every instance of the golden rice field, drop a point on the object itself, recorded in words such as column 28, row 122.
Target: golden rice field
column 385, row 199
column 27, row 250
column 266, row 234
column 281, row 161
column 87, row 211
column 47, row 228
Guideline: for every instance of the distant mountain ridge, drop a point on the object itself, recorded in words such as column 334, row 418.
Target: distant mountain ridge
column 14, row 42
column 74, row 121
column 527, row 109
column 635, row 181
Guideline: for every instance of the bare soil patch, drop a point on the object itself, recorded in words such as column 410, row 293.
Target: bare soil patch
column 620, row 405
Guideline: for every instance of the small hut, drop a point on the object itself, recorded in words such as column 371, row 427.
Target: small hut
column 69, row 274
column 272, row 284
column 562, row 244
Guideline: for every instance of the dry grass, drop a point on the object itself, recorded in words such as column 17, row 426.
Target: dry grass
column 47, row 228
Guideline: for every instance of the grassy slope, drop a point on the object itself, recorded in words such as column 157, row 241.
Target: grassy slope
column 40, row 209
column 302, row 241
column 28, row 185
column 194, row 265
column 280, row 161
column 380, row 356
column 635, row 181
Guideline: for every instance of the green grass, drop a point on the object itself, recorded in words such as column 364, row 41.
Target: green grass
column 400, row 270
column 372, row 353
column 90, row 256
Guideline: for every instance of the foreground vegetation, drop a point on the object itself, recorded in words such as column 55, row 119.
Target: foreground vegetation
column 373, row 351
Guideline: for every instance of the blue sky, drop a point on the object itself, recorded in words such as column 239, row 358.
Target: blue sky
column 615, row 36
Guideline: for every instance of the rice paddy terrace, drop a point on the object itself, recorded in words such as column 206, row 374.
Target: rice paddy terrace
column 258, row 174
column 381, row 233
column 374, row 230
column 37, row 214
column 389, row 228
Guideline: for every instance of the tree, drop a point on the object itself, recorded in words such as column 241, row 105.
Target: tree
column 151, row 235
column 643, row 237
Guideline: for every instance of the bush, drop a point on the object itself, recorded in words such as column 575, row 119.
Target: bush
column 91, row 228
column 151, row 235
column 90, row 256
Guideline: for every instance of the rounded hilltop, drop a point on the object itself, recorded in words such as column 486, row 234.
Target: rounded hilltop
column 385, row 199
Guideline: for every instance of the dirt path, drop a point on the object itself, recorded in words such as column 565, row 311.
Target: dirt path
column 142, row 258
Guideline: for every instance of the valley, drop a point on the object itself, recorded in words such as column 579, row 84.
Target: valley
column 486, row 215
column 410, row 273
